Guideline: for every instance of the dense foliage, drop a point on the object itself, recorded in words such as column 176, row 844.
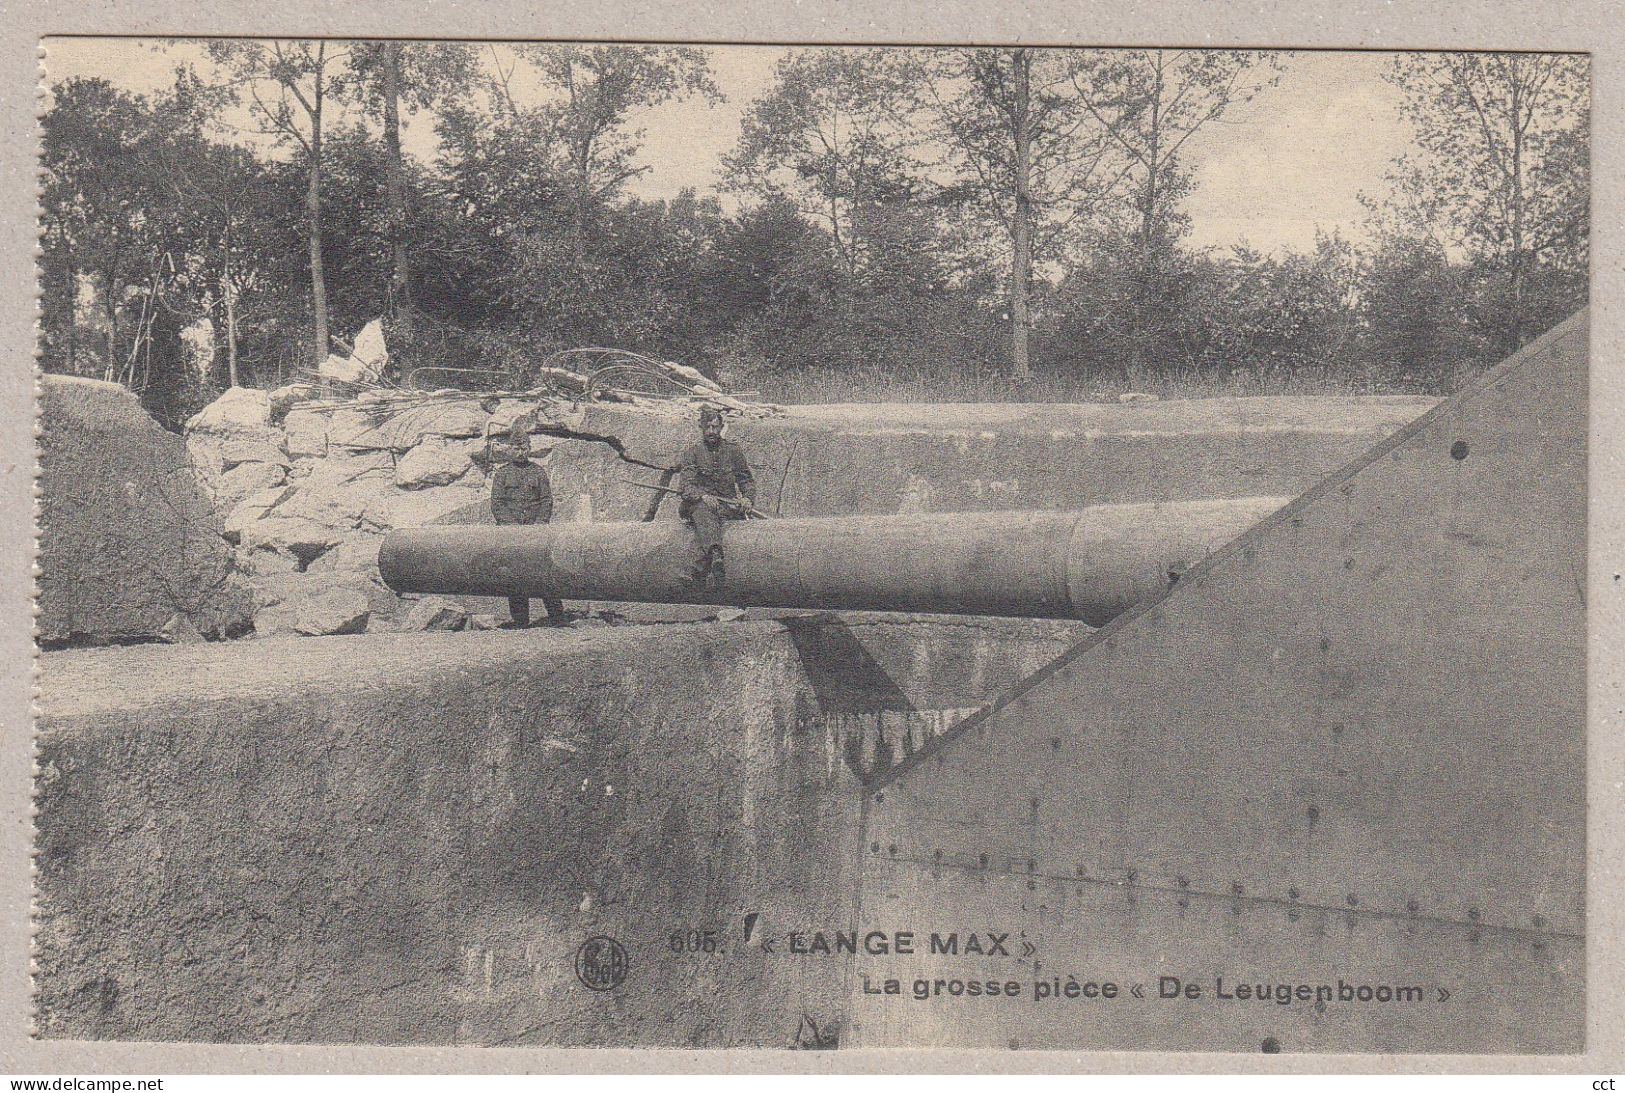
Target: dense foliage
column 935, row 216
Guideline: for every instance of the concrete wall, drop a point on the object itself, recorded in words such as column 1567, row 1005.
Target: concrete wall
column 1350, row 746
column 886, row 458
column 410, row 841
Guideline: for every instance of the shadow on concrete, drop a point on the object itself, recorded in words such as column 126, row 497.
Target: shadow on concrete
column 879, row 722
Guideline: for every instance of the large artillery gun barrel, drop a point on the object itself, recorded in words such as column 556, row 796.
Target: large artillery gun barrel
column 1089, row 565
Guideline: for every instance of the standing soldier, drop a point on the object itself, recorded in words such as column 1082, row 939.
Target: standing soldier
column 716, row 485
column 521, row 494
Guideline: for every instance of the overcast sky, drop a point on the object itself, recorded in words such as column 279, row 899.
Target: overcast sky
column 1273, row 171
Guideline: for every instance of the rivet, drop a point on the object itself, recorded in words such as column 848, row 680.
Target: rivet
column 1272, row 1046
column 1237, row 888
column 874, row 848
column 1292, row 893
column 1354, row 900
column 1314, row 813
column 1182, row 882
column 1458, row 450
column 892, row 849
column 1472, row 913
column 1348, row 563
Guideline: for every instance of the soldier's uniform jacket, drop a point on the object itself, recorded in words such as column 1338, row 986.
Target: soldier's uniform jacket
column 521, row 494
column 715, row 471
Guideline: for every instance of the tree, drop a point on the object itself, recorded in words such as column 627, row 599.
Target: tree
column 1020, row 155
column 832, row 137
column 418, row 75
column 1150, row 103
column 1501, row 169
column 591, row 92
column 290, row 84
column 95, row 206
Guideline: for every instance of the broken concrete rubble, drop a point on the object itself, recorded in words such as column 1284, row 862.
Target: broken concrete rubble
column 239, row 409
column 245, row 480
column 335, row 611
column 435, row 613
column 436, row 461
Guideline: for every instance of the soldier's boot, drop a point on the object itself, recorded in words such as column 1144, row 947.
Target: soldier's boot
column 719, row 569
column 700, row 571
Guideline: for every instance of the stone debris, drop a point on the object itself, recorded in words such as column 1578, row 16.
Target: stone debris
column 1137, row 396
column 245, row 480
column 454, row 504
column 252, row 508
column 366, row 361
column 436, row 461
column 334, row 611
column 302, row 539
column 289, row 394
column 307, row 482
column 240, row 409
column 435, row 613
column 306, row 432
column 355, row 554
column 180, row 630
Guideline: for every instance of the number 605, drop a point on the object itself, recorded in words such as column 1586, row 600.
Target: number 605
column 694, row 941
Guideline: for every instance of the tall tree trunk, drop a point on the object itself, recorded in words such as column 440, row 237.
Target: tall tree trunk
column 1517, row 214
column 72, row 270
column 401, row 286
column 1021, row 228
column 313, row 213
column 110, row 306
column 1148, row 288
column 228, row 292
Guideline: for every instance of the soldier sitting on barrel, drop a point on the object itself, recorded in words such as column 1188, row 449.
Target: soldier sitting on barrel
column 716, row 485
column 522, row 494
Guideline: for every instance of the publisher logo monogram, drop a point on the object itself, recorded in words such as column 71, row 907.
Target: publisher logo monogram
column 601, row 963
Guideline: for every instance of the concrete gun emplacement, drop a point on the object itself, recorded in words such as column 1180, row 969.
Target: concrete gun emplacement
column 1089, row 565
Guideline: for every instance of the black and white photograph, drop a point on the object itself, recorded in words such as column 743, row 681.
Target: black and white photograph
column 811, row 548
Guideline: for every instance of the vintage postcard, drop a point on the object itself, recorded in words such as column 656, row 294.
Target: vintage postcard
column 1007, row 547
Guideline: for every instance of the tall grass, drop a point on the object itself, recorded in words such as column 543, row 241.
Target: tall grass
column 875, row 384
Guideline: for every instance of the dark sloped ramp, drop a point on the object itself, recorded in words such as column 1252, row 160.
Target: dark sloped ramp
column 1347, row 750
